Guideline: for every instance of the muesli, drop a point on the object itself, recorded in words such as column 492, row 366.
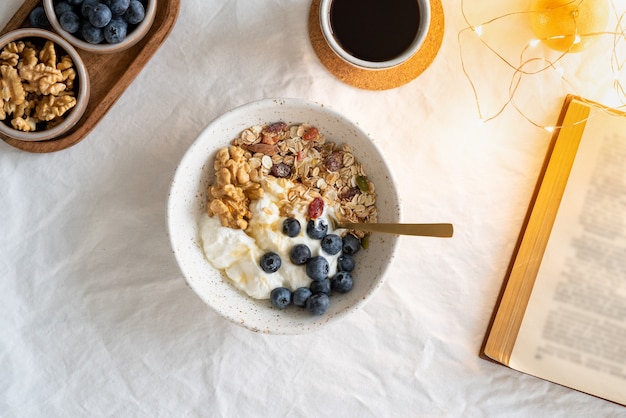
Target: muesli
column 270, row 178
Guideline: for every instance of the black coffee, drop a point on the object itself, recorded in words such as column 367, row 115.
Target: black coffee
column 374, row 30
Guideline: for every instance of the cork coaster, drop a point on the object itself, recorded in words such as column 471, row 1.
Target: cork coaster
column 379, row 79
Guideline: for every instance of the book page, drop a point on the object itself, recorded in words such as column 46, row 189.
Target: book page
column 574, row 329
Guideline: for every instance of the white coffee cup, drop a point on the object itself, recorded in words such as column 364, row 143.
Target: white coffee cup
column 401, row 28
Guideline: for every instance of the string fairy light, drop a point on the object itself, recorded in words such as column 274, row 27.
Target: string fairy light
column 531, row 63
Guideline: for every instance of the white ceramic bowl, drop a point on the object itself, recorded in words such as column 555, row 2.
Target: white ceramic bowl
column 132, row 38
column 39, row 37
column 187, row 200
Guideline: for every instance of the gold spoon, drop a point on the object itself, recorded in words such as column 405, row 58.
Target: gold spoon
column 441, row 230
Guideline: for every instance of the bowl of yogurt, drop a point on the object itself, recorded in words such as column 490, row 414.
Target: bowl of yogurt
column 250, row 216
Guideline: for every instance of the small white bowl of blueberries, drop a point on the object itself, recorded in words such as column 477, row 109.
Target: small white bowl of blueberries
column 273, row 260
column 98, row 26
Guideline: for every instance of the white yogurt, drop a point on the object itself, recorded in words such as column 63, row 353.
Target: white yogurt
column 237, row 252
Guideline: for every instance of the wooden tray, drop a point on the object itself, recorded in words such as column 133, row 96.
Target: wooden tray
column 109, row 74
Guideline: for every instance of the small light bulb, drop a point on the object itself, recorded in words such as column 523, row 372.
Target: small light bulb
column 478, row 30
column 534, row 43
column 550, row 129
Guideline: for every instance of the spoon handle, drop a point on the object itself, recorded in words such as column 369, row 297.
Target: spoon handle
column 441, row 230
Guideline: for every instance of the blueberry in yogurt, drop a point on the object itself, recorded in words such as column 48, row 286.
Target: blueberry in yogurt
column 300, row 296
column 316, row 229
column 351, row 244
column 317, row 268
column 321, row 286
column 291, row 227
column 318, row 303
column 331, row 244
column 342, row 282
column 345, row 262
column 270, row 262
column 280, row 297
column 300, row 254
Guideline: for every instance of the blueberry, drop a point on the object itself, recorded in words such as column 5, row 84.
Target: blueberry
column 345, row 262
column 70, row 22
column 62, row 7
column 331, row 244
column 38, row 18
column 118, row 7
column 280, row 297
column 270, row 262
column 322, row 286
column 351, row 244
column 291, row 227
column 317, row 268
column 342, row 282
column 300, row 295
column 87, row 6
column 299, row 254
column 100, row 15
column 75, row 2
column 91, row 34
column 135, row 12
column 316, row 230
column 318, row 303
column 115, row 31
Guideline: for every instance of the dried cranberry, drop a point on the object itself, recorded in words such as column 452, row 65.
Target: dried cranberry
column 280, row 170
column 334, row 162
column 311, row 134
column 275, row 127
column 316, row 208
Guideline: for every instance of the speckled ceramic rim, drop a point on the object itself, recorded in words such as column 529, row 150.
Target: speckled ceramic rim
column 83, row 87
column 104, row 48
column 187, row 203
column 424, row 23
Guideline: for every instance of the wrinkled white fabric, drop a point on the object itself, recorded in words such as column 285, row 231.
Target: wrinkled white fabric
column 96, row 319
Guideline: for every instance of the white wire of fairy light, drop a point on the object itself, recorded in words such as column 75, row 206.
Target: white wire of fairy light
column 534, row 60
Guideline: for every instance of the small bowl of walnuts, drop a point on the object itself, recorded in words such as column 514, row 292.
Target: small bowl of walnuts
column 44, row 84
column 101, row 26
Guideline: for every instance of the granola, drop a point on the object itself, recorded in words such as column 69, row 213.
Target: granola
column 301, row 153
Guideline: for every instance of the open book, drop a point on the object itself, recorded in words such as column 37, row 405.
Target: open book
column 561, row 315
